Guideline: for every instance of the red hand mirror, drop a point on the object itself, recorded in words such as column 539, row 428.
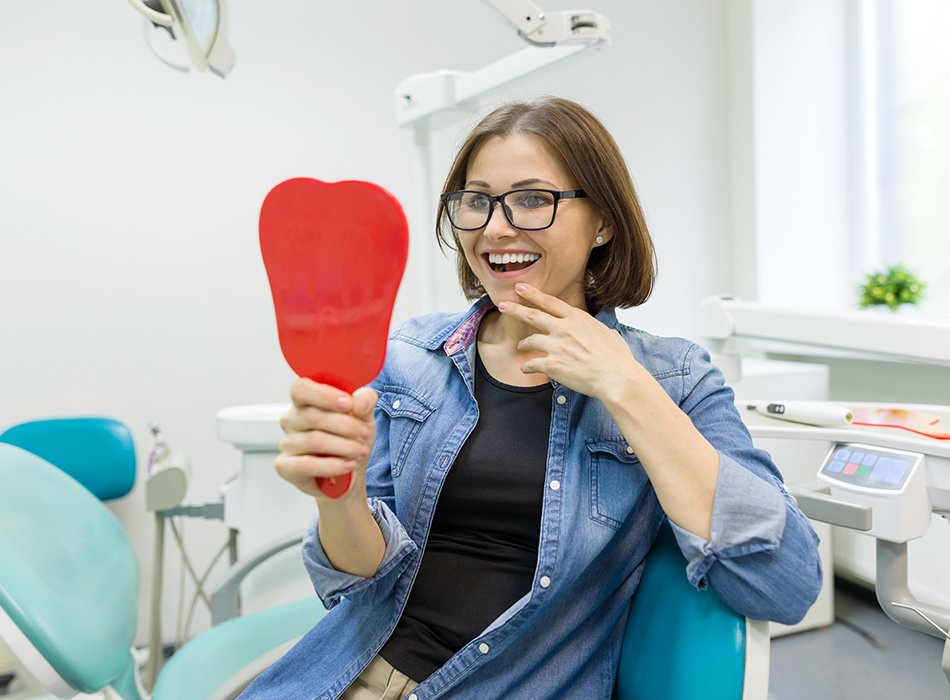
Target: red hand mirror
column 334, row 254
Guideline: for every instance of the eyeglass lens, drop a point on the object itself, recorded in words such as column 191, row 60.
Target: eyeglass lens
column 526, row 209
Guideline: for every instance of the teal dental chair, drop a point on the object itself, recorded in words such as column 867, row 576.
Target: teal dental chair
column 68, row 596
column 684, row 644
column 97, row 452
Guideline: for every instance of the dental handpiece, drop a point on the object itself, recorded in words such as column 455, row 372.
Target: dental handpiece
column 820, row 413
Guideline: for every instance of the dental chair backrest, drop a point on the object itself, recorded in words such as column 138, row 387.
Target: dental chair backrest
column 61, row 549
column 98, row 452
column 681, row 643
column 68, row 583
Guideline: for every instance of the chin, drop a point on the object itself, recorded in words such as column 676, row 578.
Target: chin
column 505, row 295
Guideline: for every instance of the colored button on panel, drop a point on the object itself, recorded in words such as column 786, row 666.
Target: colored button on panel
column 843, row 454
column 869, row 460
column 856, row 457
column 862, row 472
column 836, row 466
column 850, row 468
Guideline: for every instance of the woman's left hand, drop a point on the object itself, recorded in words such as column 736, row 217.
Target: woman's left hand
column 580, row 352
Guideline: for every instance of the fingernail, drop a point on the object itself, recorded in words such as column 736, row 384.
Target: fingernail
column 503, row 305
column 521, row 287
column 343, row 403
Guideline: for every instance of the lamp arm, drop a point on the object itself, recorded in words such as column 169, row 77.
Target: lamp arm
column 552, row 28
column 523, row 15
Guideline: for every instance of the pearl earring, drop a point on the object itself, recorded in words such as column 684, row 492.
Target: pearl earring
column 599, row 240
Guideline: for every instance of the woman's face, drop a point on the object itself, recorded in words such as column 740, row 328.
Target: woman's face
column 554, row 259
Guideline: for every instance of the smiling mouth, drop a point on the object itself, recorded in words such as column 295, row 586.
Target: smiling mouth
column 511, row 262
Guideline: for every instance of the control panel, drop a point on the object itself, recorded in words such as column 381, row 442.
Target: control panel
column 893, row 483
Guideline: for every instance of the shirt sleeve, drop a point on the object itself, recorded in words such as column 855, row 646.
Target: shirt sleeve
column 762, row 555
column 748, row 517
column 331, row 584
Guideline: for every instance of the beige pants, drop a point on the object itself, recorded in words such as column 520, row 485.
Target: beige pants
column 379, row 681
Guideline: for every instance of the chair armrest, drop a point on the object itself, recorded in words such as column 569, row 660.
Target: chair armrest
column 225, row 602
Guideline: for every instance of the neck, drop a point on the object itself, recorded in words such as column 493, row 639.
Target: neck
column 498, row 337
column 499, row 329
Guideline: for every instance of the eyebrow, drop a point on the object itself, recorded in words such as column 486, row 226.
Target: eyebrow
column 515, row 185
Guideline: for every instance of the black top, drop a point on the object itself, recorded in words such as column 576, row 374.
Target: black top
column 483, row 545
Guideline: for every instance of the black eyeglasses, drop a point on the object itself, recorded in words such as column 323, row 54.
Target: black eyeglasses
column 528, row 210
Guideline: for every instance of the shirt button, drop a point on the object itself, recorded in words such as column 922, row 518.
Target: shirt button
column 629, row 450
column 413, row 697
column 483, row 648
column 545, row 581
column 396, row 403
column 555, row 485
column 562, row 399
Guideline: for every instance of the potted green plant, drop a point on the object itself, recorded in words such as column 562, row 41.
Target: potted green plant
column 892, row 287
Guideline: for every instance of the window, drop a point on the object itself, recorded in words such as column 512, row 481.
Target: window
column 904, row 113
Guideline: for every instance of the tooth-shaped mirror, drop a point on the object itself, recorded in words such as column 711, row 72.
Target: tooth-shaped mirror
column 335, row 255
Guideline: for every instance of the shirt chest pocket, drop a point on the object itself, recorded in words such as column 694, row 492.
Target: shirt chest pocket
column 407, row 414
column 616, row 480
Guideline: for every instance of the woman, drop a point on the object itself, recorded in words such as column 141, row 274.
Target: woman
column 524, row 453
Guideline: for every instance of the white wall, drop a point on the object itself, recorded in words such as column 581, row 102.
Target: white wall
column 793, row 152
column 130, row 277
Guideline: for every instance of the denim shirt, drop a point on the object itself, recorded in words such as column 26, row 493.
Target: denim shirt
column 599, row 518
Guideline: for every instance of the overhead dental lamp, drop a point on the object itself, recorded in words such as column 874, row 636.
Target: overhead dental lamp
column 188, row 35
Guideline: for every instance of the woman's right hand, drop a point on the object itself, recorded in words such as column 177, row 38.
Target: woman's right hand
column 327, row 433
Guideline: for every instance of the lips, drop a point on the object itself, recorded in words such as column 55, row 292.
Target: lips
column 505, row 262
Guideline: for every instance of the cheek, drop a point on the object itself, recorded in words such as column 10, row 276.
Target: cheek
column 472, row 261
column 470, row 257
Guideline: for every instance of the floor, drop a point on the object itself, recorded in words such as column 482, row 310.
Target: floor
column 862, row 656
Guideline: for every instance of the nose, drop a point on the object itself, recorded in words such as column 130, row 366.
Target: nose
column 498, row 226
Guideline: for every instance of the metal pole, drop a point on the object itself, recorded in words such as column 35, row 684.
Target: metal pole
column 422, row 233
column 155, row 651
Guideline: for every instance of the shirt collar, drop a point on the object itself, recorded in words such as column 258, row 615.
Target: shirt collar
column 465, row 333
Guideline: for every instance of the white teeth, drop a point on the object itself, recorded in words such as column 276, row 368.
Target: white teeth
column 505, row 258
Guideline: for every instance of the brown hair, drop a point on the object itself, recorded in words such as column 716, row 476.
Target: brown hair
column 621, row 273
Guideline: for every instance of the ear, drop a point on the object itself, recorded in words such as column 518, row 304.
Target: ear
column 604, row 230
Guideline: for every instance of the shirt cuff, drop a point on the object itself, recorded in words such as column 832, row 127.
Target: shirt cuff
column 748, row 517
column 331, row 584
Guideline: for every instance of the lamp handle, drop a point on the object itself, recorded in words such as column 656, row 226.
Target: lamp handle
column 147, row 32
column 153, row 15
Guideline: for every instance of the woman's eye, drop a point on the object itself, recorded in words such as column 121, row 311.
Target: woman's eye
column 533, row 200
column 477, row 201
